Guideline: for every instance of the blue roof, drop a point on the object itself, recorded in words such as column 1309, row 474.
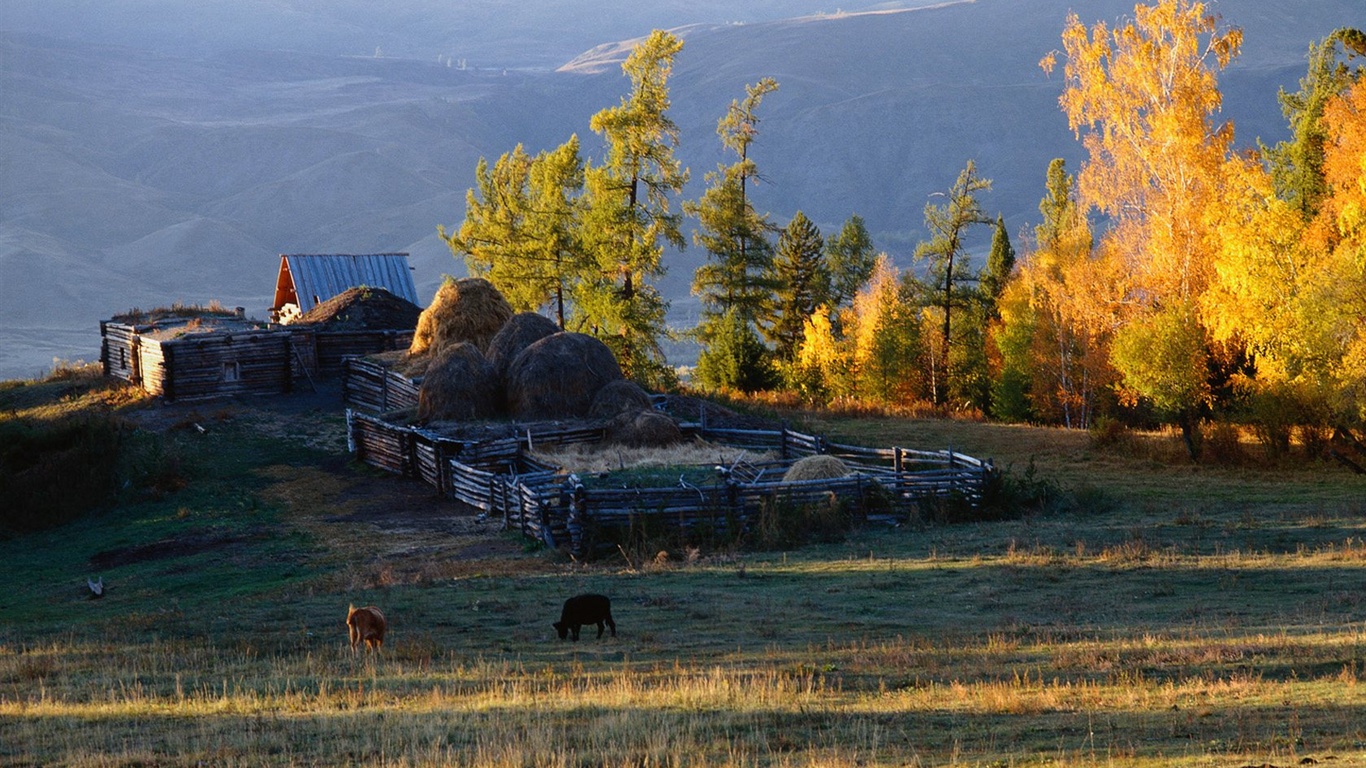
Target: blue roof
column 310, row 279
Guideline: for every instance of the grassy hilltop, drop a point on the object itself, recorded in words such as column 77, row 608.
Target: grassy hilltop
column 1159, row 613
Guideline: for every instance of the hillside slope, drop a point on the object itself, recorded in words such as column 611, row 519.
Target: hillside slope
column 142, row 176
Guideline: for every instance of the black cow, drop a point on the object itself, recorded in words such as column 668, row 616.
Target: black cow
column 585, row 609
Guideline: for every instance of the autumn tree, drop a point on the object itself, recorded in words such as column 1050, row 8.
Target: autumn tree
column 884, row 329
column 1342, row 284
column 802, row 284
column 945, row 256
column 736, row 281
column 628, row 217
column 1142, row 98
column 1056, row 316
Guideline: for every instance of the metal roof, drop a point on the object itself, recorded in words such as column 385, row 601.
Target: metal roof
column 315, row 278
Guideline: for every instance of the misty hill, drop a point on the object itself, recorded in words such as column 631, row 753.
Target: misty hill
column 150, row 158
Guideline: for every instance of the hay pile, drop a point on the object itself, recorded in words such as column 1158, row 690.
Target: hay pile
column 469, row 309
column 816, row 468
column 519, row 332
column 558, row 376
column 642, row 429
column 618, row 397
column 363, row 309
column 460, row 384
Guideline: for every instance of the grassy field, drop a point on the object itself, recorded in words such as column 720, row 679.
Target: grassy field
column 1166, row 614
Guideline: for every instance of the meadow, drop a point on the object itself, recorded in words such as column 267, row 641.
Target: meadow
column 1153, row 613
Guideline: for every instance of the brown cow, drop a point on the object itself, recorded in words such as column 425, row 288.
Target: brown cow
column 366, row 624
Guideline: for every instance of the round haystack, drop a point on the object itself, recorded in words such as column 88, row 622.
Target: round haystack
column 819, row 467
column 363, row 308
column 519, row 332
column 459, row 385
column 558, row 376
column 618, row 397
column 644, row 429
column 469, row 309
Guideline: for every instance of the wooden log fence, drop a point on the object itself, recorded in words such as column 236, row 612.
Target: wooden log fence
column 499, row 479
column 375, row 388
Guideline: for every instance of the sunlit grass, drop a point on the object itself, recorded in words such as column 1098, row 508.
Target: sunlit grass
column 1202, row 616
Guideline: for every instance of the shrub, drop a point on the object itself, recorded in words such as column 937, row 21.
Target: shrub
column 55, row 471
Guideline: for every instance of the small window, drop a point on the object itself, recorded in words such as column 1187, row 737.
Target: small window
column 232, row 371
column 123, row 359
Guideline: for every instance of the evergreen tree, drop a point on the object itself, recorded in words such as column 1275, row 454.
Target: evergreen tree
column 851, row 260
column 803, row 284
column 1000, row 263
column 734, row 357
column 1297, row 165
column 627, row 218
column 945, row 255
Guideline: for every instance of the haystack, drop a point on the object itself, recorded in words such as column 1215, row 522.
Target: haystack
column 363, row 308
column 558, row 376
column 618, row 397
column 469, row 309
column 459, row 385
column 518, row 333
column 644, row 429
column 818, row 467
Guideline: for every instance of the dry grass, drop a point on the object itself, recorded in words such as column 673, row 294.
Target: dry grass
column 592, row 458
column 1207, row 617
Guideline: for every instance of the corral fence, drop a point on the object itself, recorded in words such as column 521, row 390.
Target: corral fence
column 501, row 479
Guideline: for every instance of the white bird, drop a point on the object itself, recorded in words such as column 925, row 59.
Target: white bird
column 96, row 587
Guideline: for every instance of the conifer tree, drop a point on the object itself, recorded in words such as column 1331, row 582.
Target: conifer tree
column 946, row 259
column 1000, row 263
column 1297, row 164
column 493, row 238
column 627, row 218
column 851, row 260
column 803, row 284
column 736, row 281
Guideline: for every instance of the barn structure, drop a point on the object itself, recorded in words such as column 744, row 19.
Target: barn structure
column 198, row 353
column 306, row 280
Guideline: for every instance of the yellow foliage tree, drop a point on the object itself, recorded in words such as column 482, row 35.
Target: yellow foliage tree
column 1342, row 285
column 1141, row 97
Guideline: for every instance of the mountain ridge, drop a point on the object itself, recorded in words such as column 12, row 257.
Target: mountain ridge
column 138, row 177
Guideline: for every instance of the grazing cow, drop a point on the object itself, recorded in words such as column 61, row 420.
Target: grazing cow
column 366, row 624
column 585, row 609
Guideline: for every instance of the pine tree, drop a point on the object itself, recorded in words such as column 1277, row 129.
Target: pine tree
column 852, row 260
column 555, row 221
column 627, row 218
column 1000, row 263
column 734, row 357
column 803, row 284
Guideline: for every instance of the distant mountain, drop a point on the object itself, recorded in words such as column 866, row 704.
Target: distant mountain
column 149, row 157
